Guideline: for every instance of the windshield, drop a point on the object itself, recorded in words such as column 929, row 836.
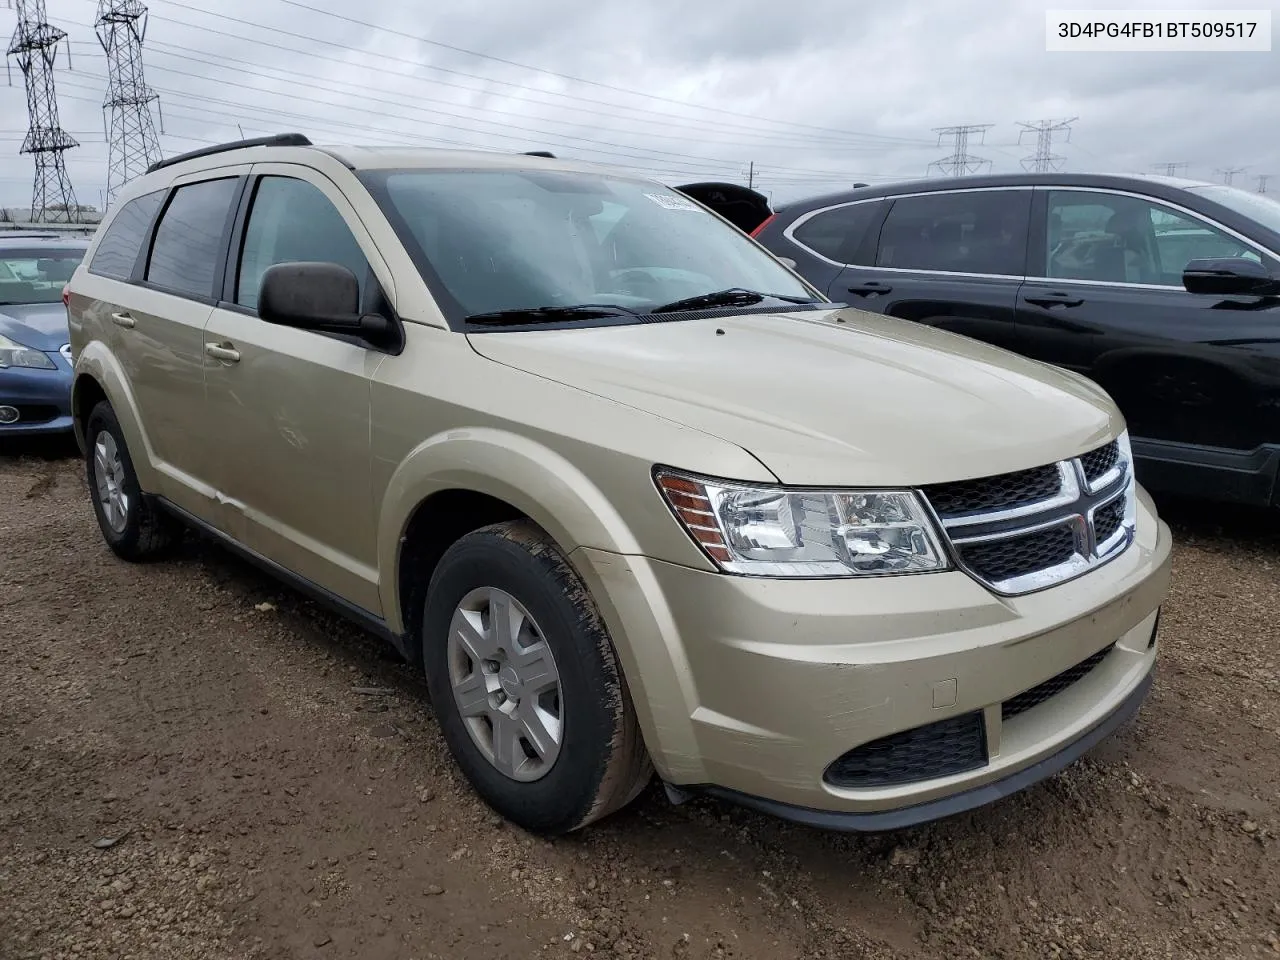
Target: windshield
column 493, row 241
column 36, row 276
column 1255, row 206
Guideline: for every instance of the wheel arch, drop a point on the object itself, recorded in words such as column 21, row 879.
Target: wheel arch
column 98, row 377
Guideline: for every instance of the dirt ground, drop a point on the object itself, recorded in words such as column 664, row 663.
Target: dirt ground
column 197, row 763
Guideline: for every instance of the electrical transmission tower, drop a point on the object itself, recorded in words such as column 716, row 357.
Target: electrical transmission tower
column 35, row 46
column 1044, row 160
column 1229, row 173
column 1171, row 169
column 961, row 160
column 132, row 144
column 1262, row 182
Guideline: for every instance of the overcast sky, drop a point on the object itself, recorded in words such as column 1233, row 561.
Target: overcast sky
column 818, row 93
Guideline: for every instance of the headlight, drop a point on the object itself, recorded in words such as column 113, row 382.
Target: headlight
column 16, row 355
column 779, row 532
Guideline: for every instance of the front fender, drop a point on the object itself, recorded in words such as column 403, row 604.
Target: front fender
column 535, row 480
column 97, row 365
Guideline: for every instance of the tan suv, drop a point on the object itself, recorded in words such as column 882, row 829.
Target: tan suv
column 631, row 493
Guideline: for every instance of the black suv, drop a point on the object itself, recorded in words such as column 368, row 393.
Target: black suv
column 1164, row 291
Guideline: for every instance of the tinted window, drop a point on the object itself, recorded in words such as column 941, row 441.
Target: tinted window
column 1260, row 207
column 291, row 220
column 837, row 234
column 118, row 249
column 503, row 240
column 1122, row 239
column 188, row 244
column 982, row 231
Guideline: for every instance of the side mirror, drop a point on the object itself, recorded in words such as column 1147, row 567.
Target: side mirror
column 787, row 262
column 317, row 296
column 1230, row 276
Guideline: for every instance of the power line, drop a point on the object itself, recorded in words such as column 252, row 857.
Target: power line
column 35, row 47
column 961, row 161
column 1044, row 160
column 1229, row 173
column 703, row 125
column 563, row 76
column 133, row 144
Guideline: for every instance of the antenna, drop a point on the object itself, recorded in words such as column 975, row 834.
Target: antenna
column 1044, row 160
column 35, row 47
column 961, row 161
column 132, row 144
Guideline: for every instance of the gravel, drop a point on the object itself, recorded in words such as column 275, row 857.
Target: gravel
column 273, row 785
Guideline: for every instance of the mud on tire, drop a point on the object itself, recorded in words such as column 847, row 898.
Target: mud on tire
column 600, row 763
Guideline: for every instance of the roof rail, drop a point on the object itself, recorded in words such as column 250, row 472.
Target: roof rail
column 278, row 140
column 540, row 153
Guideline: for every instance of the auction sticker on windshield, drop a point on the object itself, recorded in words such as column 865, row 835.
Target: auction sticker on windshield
column 672, row 203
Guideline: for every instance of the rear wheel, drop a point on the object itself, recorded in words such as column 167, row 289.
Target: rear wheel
column 134, row 528
column 526, row 683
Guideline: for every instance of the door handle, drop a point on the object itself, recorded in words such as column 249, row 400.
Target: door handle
column 223, row 352
column 1050, row 300
column 870, row 287
column 123, row 320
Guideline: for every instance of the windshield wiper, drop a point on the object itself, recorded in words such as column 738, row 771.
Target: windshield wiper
column 732, row 297
column 521, row 315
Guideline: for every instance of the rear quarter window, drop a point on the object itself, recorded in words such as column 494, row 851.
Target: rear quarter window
column 837, row 234
column 119, row 247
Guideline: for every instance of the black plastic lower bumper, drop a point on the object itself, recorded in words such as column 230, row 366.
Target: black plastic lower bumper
column 881, row 820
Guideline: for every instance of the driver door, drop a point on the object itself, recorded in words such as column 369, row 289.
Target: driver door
column 291, row 407
column 1104, row 296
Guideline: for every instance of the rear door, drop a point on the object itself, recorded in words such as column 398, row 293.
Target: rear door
column 823, row 242
column 157, row 327
column 951, row 259
column 290, row 407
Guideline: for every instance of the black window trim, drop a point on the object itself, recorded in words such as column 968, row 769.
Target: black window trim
column 870, row 237
column 879, row 225
column 220, row 265
column 233, row 252
column 1036, row 246
column 143, row 244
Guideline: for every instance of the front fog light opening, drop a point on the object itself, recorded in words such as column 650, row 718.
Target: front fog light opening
column 796, row 533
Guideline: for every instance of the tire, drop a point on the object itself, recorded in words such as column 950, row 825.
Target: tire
column 133, row 526
column 599, row 764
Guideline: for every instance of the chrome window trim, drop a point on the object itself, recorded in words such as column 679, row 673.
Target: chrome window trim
column 1154, row 201
column 789, row 232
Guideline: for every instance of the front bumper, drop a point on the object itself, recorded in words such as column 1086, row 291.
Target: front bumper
column 753, row 688
column 41, row 397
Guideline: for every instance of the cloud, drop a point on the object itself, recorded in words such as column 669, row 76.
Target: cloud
column 817, row 93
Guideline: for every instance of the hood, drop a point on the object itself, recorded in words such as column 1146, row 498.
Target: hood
column 832, row 397
column 40, row 326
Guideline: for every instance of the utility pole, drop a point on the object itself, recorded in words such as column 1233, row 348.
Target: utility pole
column 35, row 46
column 132, row 144
column 1043, row 160
column 751, row 175
column 1229, row 173
column 1171, row 169
column 1262, row 182
column 961, row 160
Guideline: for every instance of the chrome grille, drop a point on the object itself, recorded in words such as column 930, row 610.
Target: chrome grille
column 1025, row 531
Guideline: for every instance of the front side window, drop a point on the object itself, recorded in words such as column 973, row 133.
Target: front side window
column 118, row 249
column 969, row 231
column 188, row 243
column 290, row 221
column 1118, row 238
column 36, row 275
column 516, row 240
column 838, row 234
